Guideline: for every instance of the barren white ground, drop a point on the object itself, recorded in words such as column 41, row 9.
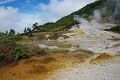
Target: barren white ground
column 97, row 41
column 104, row 71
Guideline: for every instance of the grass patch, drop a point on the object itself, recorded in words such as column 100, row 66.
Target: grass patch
column 42, row 35
column 11, row 51
column 57, row 50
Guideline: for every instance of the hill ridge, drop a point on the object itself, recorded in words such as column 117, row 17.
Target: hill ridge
column 66, row 22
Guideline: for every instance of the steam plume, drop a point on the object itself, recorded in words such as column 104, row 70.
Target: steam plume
column 92, row 24
column 116, row 14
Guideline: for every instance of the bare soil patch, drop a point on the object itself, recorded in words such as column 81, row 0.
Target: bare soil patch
column 40, row 68
column 101, row 58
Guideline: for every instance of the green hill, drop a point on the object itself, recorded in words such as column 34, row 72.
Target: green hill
column 66, row 22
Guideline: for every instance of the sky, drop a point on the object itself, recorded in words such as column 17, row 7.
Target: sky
column 18, row 14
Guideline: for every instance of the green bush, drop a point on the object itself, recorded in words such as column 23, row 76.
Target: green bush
column 19, row 53
column 42, row 52
column 16, row 38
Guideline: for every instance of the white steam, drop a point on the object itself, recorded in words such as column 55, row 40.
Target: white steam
column 94, row 23
column 116, row 14
column 85, row 24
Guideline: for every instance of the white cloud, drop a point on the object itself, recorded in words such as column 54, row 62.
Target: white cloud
column 11, row 18
column 64, row 7
column 27, row 20
column 6, row 1
column 8, row 18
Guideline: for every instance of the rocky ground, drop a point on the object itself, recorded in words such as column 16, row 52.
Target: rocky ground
column 94, row 55
column 92, row 69
column 98, row 41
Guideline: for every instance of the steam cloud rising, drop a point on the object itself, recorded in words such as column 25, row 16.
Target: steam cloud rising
column 85, row 24
column 95, row 19
column 116, row 15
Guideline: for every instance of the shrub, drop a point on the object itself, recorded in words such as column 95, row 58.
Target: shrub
column 42, row 52
column 20, row 53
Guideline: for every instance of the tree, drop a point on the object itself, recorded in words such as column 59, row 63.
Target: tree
column 6, row 32
column 12, row 32
column 35, row 25
column 25, row 30
column 29, row 30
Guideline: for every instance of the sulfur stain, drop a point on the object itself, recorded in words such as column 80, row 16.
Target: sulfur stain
column 101, row 58
column 40, row 68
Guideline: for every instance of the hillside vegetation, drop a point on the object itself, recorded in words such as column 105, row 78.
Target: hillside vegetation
column 66, row 22
column 11, row 51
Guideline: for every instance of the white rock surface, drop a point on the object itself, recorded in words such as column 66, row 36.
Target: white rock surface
column 97, row 40
column 104, row 71
column 49, row 47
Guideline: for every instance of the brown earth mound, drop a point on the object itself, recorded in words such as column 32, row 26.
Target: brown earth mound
column 100, row 58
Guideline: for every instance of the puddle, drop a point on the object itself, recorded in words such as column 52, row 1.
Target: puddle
column 49, row 47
